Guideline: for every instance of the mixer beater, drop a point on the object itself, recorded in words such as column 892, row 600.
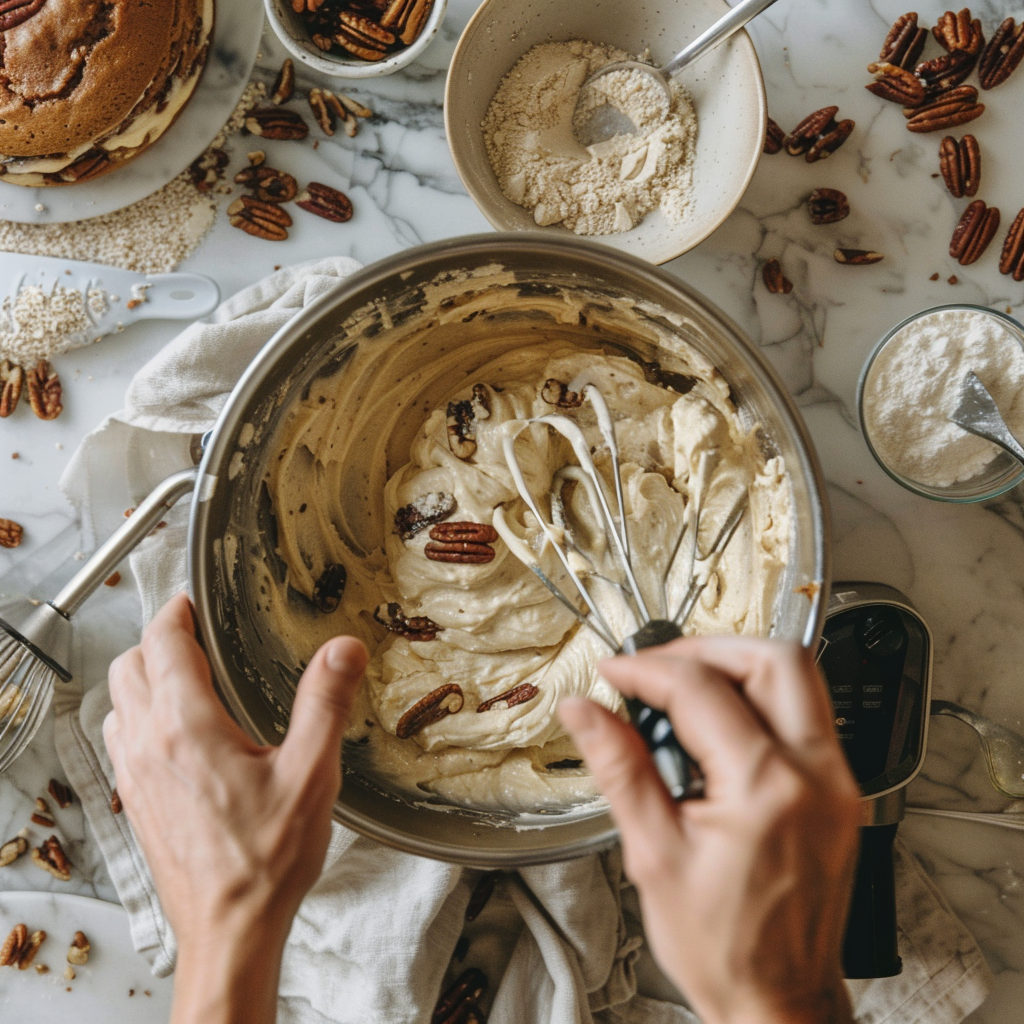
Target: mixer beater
column 678, row 770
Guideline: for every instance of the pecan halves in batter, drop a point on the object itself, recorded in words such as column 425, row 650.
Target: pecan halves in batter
column 510, row 698
column 437, row 705
column 468, row 543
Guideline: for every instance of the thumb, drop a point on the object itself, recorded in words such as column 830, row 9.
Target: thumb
column 324, row 699
column 614, row 751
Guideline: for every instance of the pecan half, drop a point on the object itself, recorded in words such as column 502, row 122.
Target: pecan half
column 425, row 511
column 1002, row 55
column 44, row 391
column 482, row 892
column 828, row 143
column 946, row 71
column 774, row 280
column 276, row 123
column 267, row 183
column 468, row 543
column 351, row 35
column 10, row 533
column 774, row 136
column 329, row 588
column 419, row 627
column 464, row 531
column 28, row 951
column 958, row 31
column 51, row 857
column 259, row 218
column 947, row 110
column 461, row 429
column 341, row 104
column 324, row 117
column 806, row 133
column 975, row 230
column 366, row 28
column 895, row 84
column 12, row 850
column 460, row 997
column 42, row 815
column 325, row 202
column 78, row 951
column 904, row 43
column 14, row 12
column 438, row 704
column 416, row 19
column 1012, row 259
column 827, row 206
column 284, row 84
column 510, row 698
column 89, row 165
column 61, row 792
column 857, row 257
column 12, row 377
column 115, row 802
column 556, row 392
column 396, row 12
column 207, row 169
column 13, row 945
column 960, row 164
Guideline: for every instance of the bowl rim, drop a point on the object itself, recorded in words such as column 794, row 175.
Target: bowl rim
column 339, row 67
column 914, row 486
column 742, row 37
column 214, row 470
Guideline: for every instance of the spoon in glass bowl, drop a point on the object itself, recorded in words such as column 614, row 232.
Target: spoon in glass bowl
column 977, row 413
column 1003, row 748
column 596, row 120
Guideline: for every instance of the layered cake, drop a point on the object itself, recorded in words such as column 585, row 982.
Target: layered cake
column 87, row 85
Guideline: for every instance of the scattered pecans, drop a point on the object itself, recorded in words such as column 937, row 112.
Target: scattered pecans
column 459, row 1001
column 857, row 257
column 61, row 792
column 896, row 84
column 948, row 109
column 818, row 135
column 276, row 123
column 20, row 948
column 465, row 543
column 326, row 202
column 284, row 85
column 260, row 218
column 481, row 894
column 78, row 951
column 1012, row 259
column 960, row 164
column 974, row 232
column 52, row 858
column 394, row 620
column 12, row 377
column 904, row 43
column 1002, row 55
column 827, row 206
column 42, row 815
column 12, row 850
column 44, row 391
column 10, row 533
column 774, row 280
column 268, row 184
column 773, row 138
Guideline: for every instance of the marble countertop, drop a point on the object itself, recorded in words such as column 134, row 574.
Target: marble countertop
column 963, row 566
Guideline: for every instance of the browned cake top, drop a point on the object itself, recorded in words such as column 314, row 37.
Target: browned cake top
column 72, row 70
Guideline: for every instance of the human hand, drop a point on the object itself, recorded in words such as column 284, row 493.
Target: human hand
column 234, row 833
column 744, row 893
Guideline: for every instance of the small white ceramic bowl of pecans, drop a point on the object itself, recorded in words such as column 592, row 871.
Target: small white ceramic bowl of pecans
column 355, row 38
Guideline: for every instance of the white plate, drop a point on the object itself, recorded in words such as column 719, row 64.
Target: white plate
column 99, row 993
column 237, row 27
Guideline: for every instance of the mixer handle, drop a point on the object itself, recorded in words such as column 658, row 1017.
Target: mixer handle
column 869, row 948
column 680, row 772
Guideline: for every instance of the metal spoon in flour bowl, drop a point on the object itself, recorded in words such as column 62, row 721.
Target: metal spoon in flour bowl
column 596, row 120
column 977, row 413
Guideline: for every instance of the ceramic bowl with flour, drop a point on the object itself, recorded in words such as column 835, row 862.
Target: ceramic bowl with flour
column 505, row 151
column 910, row 386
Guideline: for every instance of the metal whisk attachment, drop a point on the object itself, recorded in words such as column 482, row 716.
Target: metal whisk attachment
column 679, row 771
column 35, row 637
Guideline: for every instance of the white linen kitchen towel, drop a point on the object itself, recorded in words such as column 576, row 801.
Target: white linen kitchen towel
column 382, row 932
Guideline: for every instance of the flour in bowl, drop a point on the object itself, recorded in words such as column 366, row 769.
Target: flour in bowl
column 601, row 189
column 914, row 385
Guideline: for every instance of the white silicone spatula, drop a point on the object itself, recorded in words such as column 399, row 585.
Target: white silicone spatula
column 127, row 296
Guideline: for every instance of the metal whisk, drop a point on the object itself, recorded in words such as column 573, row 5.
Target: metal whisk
column 35, row 637
column 679, row 771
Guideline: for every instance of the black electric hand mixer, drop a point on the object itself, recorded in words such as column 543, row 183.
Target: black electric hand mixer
column 679, row 771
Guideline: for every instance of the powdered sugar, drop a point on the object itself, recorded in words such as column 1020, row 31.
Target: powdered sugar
column 605, row 188
column 914, row 384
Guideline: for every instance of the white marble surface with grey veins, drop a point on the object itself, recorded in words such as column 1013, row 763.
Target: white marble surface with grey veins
column 962, row 566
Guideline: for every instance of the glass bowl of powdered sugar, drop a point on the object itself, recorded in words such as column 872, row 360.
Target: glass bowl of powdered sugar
column 910, row 386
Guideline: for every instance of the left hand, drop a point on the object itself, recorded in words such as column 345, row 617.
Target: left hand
column 234, row 833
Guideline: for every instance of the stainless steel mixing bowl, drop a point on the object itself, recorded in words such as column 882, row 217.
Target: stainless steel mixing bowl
column 372, row 308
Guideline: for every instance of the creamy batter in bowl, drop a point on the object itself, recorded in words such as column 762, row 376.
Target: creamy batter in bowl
column 343, row 424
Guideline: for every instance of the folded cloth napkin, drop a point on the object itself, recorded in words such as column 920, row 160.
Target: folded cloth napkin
column 382, row 932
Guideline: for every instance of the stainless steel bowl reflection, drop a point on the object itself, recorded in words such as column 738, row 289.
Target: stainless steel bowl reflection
column 370, row 309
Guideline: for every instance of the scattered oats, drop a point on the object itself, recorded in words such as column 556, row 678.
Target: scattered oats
column 58, row 446
column 36, row 324
column 40, row 208
column 79, row 556
column 90, row 377
column 23, row 833
column 42, row 969
column 151, row 236
column 69, row 973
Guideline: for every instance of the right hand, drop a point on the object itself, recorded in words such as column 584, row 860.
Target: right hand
column 744, row 893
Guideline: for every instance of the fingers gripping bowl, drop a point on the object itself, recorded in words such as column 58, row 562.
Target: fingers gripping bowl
column 390, row 347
